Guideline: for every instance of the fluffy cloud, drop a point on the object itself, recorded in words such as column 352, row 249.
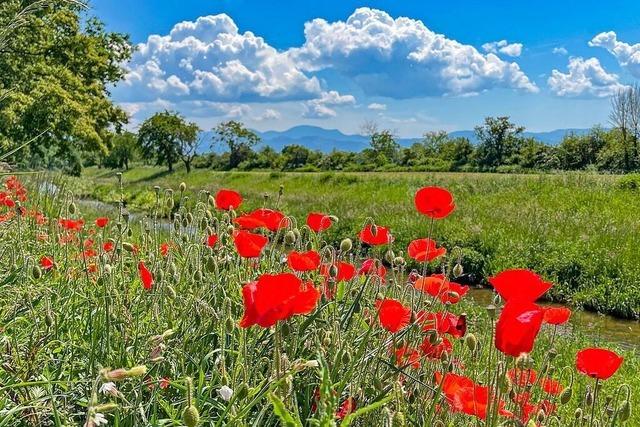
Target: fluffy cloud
column 377, row 106
column 560, row 51
column 628, row 55
column 509, row 49
column 269, row 114
column 320, row 108
column 402, row 58
column 209, row 59
column 586, row 78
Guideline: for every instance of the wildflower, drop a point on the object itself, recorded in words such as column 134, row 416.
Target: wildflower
column 522, row 377
column 598, row 362
column 434, row 202
column 225, row 393
column 164, row 383
column 443, row 323
column 437, row 349
column 164, row 249
column 109, row 388
column 372, row 267
column 437, row 285
column 392, row 315
column 102, row 222
column 71, row 224
column 551, row 386
column 263, row 218
column 108, row 246
column 519, row 284
column 424, row 250
column 46, row 263
column 556, row 315
column 318, row 221
column 347, row 407
column 212, row 239
column 249, row 245
column 145, row 276
column 518, row 327
column 406, row 356
column 228, row 199
column 99, row 419
column 343, row 271
column 303, row 261
column 375, row 235
column 275, row 297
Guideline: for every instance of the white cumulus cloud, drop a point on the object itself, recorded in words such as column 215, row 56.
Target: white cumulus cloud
column 503, row 46
column 210, row 59
column 377, row 106
column 560, row 50
column 320, row 108
column 402, row 58
column 628, row 55
column 585, row 78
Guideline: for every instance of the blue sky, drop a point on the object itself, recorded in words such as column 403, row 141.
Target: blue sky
column 412, row 66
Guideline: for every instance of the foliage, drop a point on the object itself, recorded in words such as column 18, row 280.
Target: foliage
column 169, row 138
column 124, row 150
column 238, row 139
column 55, row 69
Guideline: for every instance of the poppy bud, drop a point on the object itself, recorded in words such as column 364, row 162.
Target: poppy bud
column 128, row 246
column 229, row 325
column 491, row 311
column 457, row 270
column 230, row 229
column 173, row 269
column 191, row 416
column 183, row 187
column 289, row 237
column 438, row 423
column 156, row 189
column 346, row 245
column 185, row 222
column 398, row 261
column 36, row 272
column 333, row 271
column 72, row 208
column 589, row 398
column 210, row 264
column 624, row 412
column 578, row 413
column 170, row 203
column 211, row 200
column 389, row 256
column 159, row 275
column 197, row 276
column 471, row 341
column 552, row 353
column 524, row 361
column 346, row 358
column 48, row 319
column 540, row 417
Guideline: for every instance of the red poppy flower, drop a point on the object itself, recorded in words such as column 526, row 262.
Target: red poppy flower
column 145, row 276
column 89, row 253
column 373, row 267
column 108, row 246
column 380, row 237
column 556, row 315
column 275, row 297
column 212, row 239
column 102, row 222
column 522, row 377
column 434, row 202
column 347, row 407
column 346, row 271
column 164, row 249
column 318, row 221
column 444, row 323
column 164, row 383
column 406, row 356
column 424, row 250
column 437, row 285
column 303, row 261
column 249, row 245
column 392, row 314
column 228, row 199
column 551, row 386
column 263, row 218
column 9, row 203
column 46, row 263
column 518, row 327
column 598, row 362
column 435, row 351
column 463, row 395
column 71, row 224
column 519, row 284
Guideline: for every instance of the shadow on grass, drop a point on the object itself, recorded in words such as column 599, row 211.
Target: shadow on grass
column 155, row 175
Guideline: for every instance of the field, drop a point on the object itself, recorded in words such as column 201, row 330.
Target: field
column 578, row 230
column 130, row 318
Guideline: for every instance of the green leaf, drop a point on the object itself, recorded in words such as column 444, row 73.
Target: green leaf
column 365, row 410
column 279, row 409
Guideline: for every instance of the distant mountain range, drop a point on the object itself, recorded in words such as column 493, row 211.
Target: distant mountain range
column 326, row 140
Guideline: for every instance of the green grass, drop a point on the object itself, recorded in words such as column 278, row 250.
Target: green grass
column 580, row 231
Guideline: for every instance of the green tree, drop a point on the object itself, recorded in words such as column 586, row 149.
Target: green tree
column 55, row 68
column 237, row 138
column 124, row 148
column 498, row 140
column 169, row 138
column 581, row 151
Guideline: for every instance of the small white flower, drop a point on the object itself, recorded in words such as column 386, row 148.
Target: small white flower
column 225, row 393
column 109, row 389
column 100, row 419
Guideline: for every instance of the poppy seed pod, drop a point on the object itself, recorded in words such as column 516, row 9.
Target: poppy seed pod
column 471, row 342
column 457, row 270
column 491, row 311
column 72, row 208
column 346, row 245
column 191, row 416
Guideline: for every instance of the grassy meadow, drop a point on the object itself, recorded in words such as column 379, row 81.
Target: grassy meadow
column 578, row 230
column 130, row 320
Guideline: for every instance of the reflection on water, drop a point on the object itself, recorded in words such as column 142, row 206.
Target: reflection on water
column 598, row 326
